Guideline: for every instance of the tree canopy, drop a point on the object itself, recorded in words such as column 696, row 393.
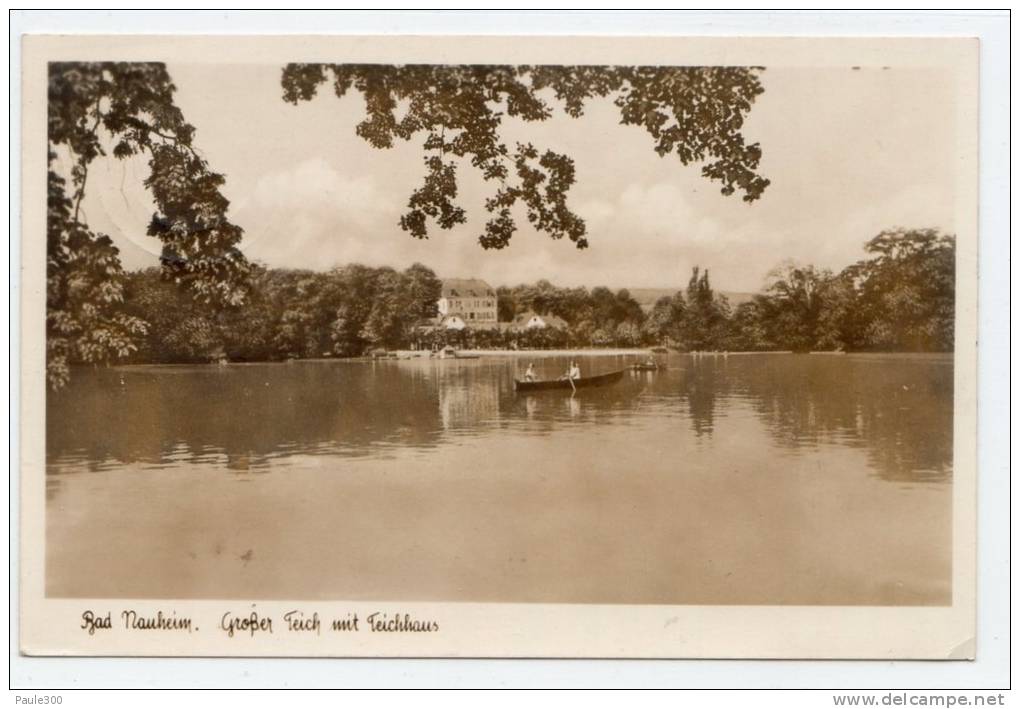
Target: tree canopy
column 901, row 298
column 288, row 314
column 694, row 113
column 124, row 109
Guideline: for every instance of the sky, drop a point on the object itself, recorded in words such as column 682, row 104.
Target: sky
column 849, row 152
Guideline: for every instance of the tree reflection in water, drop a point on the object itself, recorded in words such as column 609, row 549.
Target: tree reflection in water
column 244, row 418
column 700, row 388
column 247, row 415
column 899, row 408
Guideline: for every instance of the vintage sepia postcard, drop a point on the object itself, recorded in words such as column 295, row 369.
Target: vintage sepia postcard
column 499, row 346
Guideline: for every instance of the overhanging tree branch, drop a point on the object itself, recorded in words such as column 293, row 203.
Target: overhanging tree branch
column 694, row 113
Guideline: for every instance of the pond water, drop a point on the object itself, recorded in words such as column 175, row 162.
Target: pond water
column 746, row 479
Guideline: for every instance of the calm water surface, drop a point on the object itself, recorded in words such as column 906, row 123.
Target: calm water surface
column 753, row 479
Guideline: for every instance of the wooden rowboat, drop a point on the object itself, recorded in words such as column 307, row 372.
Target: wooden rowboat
column 597, row 380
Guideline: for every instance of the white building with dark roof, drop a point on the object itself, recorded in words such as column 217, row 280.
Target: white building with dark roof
column 467, row 302
column 531, row 320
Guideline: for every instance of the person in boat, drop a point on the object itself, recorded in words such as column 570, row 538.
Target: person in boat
column 529, row 374
column 573, row 373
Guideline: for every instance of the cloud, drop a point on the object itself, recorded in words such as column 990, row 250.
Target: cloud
column 313, row 216
column 316, row 186
column 654, row 215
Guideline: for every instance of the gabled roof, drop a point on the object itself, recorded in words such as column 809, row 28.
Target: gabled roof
column 549, row 320
column 467, row 288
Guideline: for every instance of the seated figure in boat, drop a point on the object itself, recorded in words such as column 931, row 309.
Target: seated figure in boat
column 573, row 373
column 529, row 374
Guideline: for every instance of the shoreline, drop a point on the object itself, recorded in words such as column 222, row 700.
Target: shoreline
column 559, row 352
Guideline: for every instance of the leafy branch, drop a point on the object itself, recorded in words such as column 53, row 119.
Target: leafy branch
column 129, row 106
column 694, row 113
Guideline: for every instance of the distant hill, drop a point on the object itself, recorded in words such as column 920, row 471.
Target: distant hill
column 646, row 297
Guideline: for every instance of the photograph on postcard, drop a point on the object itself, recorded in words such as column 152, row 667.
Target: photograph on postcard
column 530, row 332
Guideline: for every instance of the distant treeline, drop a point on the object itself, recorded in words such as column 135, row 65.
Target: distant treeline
column 900, row 298
column 287, row 313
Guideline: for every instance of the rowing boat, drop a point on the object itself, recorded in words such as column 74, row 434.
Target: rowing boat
column 597, row 380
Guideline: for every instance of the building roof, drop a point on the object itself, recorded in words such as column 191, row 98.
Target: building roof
column 467, row 288
column 444, row 322
column 549, row 320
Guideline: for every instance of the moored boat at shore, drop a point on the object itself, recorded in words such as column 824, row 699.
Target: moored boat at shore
column 647, row 367
column 449, row 352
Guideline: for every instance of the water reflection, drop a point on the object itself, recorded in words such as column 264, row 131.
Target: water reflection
column 717, row 480
column 700, row 390
column 469, row 395
column 248, row 418
column 899, row 408
column 249, row 414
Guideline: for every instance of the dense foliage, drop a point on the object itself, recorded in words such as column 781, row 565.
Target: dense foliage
column 901, row 298
column 95, row 109
column 289, row 314
column 695, row 113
